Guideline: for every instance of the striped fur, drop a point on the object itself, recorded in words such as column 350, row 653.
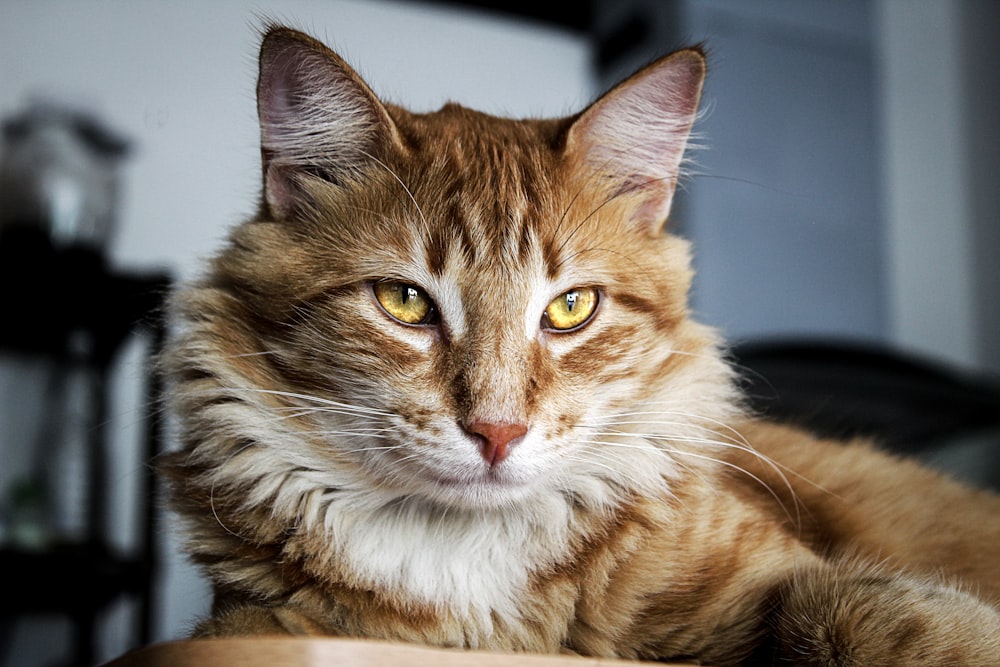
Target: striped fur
column 331, row 479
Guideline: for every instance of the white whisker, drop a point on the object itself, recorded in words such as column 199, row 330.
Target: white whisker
column 400, row 181
column 375, row 449
column 693, row 423
column 248, row 354
column 346, row 407
column 704, row 457
column 211, row 492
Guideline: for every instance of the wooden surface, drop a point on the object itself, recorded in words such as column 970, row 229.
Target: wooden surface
column 295, row 652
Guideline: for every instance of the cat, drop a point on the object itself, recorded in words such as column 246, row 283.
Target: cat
column 444, row 387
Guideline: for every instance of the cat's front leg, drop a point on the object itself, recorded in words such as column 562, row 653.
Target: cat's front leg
column 848, row 615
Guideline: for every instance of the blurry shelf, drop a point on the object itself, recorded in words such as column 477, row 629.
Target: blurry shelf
column 68, row 577
column 50, row 296
column 67, row 306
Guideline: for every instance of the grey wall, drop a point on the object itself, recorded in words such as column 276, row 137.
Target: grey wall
column 939, row 87
column 981, row 85
column 783, row 202
column 980, row 23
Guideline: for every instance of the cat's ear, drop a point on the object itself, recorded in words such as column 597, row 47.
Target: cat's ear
column 317, row 117
column 635, row 135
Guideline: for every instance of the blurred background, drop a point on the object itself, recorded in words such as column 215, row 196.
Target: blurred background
column 843, row 208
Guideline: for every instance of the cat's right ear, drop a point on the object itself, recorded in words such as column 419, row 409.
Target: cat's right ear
column 318, row 118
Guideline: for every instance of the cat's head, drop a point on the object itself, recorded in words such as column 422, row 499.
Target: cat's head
column 451, row 306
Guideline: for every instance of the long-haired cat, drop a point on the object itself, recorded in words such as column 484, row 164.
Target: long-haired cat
column 444, row 388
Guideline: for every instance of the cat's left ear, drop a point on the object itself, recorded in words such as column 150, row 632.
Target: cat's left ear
column 635, row 135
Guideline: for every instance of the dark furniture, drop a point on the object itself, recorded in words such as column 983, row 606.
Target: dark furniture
column 65, row 306
column 837, row 388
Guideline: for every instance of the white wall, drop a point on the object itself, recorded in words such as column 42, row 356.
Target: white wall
column 178, row 78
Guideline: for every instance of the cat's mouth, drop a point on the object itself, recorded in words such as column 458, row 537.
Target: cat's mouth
column 488, row 477
column 493, row 476
column 485, row 487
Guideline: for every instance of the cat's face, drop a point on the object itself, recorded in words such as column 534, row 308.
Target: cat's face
column 458, row 307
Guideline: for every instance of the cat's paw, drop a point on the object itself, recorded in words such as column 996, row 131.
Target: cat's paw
column 877, row 618
column 243, row 620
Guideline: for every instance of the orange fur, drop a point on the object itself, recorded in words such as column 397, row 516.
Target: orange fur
column 334, row 480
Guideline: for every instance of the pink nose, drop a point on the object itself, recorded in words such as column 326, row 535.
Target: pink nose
column 497, row 439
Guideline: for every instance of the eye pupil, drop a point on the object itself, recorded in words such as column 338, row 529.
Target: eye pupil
column 404, row 303
column 571, row 298
column 571, row 310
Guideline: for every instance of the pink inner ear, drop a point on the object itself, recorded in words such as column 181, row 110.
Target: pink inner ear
column 276, row 100
column 638, row 132
column 656, row 204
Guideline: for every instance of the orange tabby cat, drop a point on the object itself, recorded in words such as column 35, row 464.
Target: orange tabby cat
column 444, row 388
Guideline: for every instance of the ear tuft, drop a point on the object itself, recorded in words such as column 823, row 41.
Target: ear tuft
column 317, row 117
column 636, row 134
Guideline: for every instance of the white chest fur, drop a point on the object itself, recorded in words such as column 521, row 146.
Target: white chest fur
column 473, row 564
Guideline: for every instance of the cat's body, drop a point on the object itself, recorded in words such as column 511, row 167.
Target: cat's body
column 444, row 388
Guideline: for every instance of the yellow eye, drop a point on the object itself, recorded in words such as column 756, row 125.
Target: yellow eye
column 571, row 309
column 407, row 303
